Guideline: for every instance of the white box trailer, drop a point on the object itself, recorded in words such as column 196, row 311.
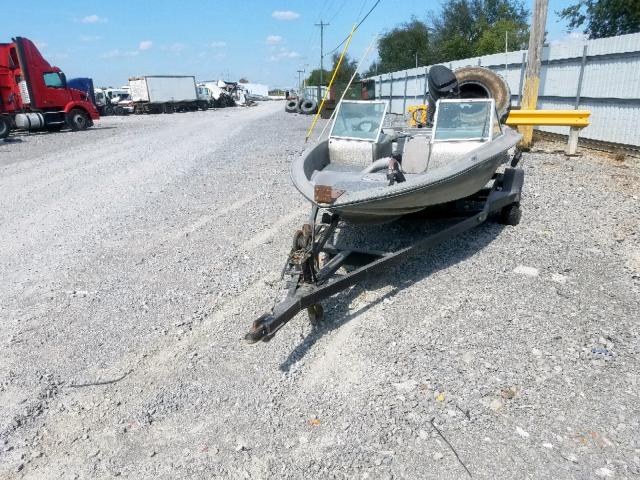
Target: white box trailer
column 164, row 93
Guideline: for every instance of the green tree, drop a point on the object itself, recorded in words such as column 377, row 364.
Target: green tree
column 468, row 28
column 492, row 40
column 314, row 77
column 347, row 68
column 399, row 47
column 603, row 18
column 461, row 29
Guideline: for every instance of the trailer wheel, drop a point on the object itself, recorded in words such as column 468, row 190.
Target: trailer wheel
column 511, row 215
column 5, row 127
column 78, row 120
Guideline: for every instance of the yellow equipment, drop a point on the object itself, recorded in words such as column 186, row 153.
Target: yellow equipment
column 417, row 115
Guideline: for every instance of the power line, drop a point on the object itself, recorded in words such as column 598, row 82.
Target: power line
column 357, row 26
column 312, row 38
column 364, row 2
column 344, row 2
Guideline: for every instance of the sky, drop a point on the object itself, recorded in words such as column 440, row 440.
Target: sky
column 264, row 41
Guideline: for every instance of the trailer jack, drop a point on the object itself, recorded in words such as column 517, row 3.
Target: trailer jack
column 313, row 262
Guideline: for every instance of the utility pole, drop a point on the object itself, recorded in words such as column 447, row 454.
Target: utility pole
column 300, row 83
column 321, row 25
column 532, row 72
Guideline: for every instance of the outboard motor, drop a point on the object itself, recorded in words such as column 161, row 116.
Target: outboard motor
column 442, row 84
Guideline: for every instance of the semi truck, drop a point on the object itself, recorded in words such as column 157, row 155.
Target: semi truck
column 85, row 85
column 34, row 95
column 219, row 97
column 166, row 94
column 114, row 101
column 108, row 101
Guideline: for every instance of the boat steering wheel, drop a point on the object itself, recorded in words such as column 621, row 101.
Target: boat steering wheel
column 366, row 126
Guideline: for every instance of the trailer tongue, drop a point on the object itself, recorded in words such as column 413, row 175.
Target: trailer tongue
column 309, row 283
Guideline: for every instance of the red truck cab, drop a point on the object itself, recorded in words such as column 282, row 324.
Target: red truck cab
column 34, row 94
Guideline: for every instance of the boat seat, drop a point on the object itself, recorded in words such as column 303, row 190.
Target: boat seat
column 415, row 156
column 358, row 153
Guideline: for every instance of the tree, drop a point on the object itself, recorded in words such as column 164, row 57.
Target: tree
column 461, row 29
column 468, row 28
column 603, row 18
column 347, row 68
column 399, row 47
column 314, row 78
column 454, row 31
column 492, row 40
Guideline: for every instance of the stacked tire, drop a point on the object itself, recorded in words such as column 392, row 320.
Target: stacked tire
column 291, row 106
column 308, row 107
column 302, row 105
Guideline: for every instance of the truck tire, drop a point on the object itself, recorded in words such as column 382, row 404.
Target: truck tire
column 5, row 127
column 291, row 106
column 308, row 107
column 78, row 120
column 481, row 82
column 118, row 110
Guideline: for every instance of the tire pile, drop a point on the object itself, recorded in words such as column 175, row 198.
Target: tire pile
column 301, row 105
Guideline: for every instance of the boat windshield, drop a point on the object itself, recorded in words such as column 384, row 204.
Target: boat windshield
column 463, row 120
column 361, row 120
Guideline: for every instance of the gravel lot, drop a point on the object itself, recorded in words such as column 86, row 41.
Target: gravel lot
column 136, row 254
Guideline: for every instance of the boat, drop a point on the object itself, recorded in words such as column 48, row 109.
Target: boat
column 368, row 172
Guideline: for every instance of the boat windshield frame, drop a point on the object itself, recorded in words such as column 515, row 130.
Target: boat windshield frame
column 493, row 118
column 366, row 102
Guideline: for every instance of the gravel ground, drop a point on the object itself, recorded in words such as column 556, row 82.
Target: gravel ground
column 135, row 255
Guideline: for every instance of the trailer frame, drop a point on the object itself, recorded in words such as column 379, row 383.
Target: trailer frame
column 312, row 282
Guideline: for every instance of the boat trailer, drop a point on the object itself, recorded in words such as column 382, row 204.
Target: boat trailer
column 310, row 282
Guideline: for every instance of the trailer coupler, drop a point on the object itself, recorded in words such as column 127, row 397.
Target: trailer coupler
column 313, row 261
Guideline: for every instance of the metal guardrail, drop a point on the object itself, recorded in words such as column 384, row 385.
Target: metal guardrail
column 552, row 118
column 575, row 119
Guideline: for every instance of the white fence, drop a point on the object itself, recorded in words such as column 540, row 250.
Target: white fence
column 599, row 75
column 312, row 92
